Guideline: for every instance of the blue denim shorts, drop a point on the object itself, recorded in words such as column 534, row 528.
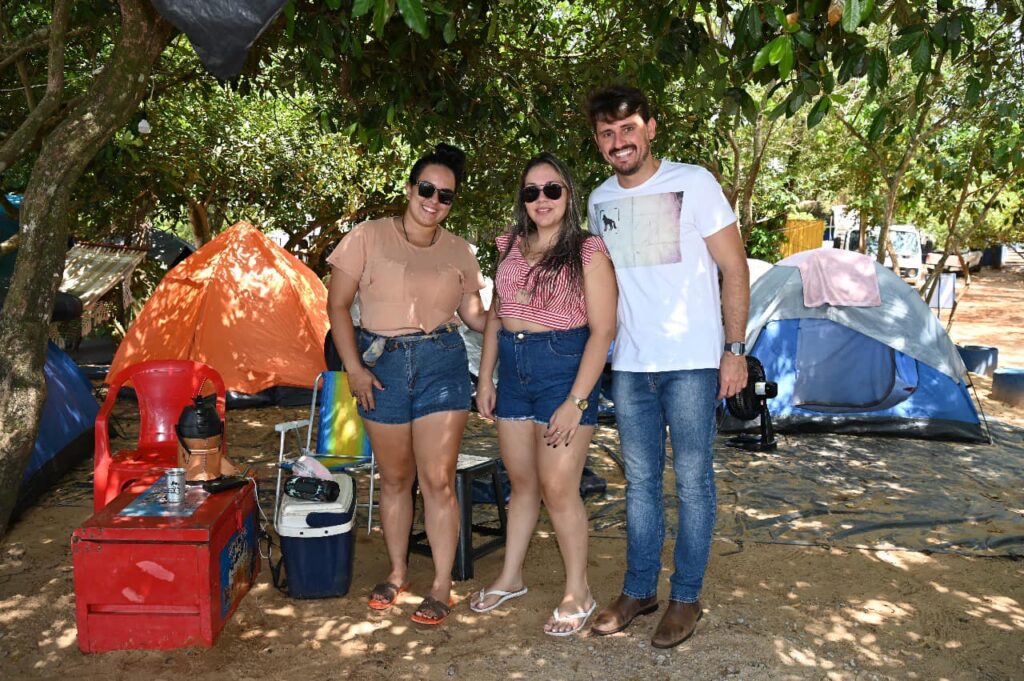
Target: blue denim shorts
column 536, row 372
column 421, row 373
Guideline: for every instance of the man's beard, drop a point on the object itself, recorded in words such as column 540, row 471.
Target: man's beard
column 641, row 158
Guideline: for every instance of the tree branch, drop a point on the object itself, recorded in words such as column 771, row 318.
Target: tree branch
column 732, row 192
column 10, row 245
column 33, row 41
column 40, row 38
column 24, row 137
column 868, row 147
column 23, row 75
column 951, row 236
column 26, row 83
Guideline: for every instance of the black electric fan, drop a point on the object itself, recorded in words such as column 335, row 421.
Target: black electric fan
column 750, row 402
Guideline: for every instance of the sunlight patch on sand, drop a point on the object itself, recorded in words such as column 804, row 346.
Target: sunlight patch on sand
column 876, row 611
column 985, row 607
column 68, row 638
column 904, row 560
column 794, row 656
column 359, row 629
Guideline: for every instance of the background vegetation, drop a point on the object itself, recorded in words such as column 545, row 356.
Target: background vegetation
column 905, row 111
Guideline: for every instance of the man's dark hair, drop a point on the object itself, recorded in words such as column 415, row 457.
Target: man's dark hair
column 615, row 102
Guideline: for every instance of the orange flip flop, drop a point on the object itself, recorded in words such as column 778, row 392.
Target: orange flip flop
column 384, row 595
column 432, row 611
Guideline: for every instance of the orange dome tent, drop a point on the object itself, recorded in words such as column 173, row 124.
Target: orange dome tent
column 241, row 304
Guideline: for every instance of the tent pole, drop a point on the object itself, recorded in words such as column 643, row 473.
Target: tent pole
column 988, row 431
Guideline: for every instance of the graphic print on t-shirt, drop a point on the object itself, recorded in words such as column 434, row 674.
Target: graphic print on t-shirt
column 642, row 231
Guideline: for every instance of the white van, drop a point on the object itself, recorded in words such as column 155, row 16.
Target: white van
column 906, row 241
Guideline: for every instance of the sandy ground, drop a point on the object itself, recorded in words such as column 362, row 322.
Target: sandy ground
column 788, row 595
column 989, row 313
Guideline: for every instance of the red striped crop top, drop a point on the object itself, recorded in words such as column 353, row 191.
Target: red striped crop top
column 561, row 308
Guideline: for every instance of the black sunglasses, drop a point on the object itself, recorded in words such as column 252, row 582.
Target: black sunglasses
column 530, row 193
column 427, row 189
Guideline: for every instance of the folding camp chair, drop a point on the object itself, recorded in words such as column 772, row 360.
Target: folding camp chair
column 341, row 440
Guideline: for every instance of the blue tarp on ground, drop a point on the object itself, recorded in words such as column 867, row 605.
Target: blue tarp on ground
column 65, row 428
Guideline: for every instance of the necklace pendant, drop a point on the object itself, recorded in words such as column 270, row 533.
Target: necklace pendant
column 522, row 296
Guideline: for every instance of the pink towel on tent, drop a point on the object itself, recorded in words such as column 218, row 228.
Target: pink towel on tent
column 836, row 277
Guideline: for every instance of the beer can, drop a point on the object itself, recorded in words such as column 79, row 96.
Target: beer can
column 175, row 485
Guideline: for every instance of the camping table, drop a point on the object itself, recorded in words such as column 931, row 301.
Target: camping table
column 468, row 469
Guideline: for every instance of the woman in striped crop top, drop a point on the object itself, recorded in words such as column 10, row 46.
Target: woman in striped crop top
column 550, row 325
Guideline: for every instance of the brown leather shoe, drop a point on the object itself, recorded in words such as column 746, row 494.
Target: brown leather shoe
column 677, row 624
column 618, row 615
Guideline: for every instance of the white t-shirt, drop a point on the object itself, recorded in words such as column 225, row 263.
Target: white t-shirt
column 669, row 312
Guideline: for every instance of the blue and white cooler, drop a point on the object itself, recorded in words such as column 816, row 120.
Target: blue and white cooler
column 317, row 543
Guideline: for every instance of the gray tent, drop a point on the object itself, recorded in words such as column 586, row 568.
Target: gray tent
column 887, row 368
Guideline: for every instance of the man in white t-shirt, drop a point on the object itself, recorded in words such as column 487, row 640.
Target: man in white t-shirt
column 669, row 230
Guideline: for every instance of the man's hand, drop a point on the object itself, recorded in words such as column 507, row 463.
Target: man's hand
column 732, row 375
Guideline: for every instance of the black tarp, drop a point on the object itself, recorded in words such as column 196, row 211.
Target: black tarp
column 221, row 31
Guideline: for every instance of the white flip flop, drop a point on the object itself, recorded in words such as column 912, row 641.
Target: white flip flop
column 580, row 618
column 502, row 597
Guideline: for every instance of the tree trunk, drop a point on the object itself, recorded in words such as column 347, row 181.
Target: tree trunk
column 964, row 269
column 142, row 218
column 951, row 231
column 746, row 195
column 883, row 230
column 893, row 255
column 113, row 96
column 199, row 217
column 928, row 288
column 217, row 218
column 862, row 227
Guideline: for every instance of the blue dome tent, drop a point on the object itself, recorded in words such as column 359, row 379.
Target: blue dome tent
column 65, row 428
column 885, row 367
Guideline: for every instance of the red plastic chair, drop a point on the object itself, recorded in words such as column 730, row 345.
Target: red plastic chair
column 163, row 388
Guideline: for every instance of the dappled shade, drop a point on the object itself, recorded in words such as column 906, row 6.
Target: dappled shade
column 876, row 493
column 241, row 304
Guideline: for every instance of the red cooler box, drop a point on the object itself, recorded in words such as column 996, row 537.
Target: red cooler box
column 149, row 574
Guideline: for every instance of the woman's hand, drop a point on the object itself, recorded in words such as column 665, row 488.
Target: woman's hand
column 361, row 382
column 563, row 424
column 486, row 397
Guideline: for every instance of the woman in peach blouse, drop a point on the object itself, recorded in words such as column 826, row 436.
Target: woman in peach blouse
column 407, row 365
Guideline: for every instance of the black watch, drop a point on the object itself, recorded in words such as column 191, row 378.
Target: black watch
column 736, row 348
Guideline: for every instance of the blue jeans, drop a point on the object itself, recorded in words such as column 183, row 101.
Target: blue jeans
column 645, row 403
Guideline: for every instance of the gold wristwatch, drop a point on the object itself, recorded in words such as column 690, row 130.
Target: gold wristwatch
column 581, row 403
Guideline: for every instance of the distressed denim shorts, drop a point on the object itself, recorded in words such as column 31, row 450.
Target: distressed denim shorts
column 422, row 374
column 536, row 371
